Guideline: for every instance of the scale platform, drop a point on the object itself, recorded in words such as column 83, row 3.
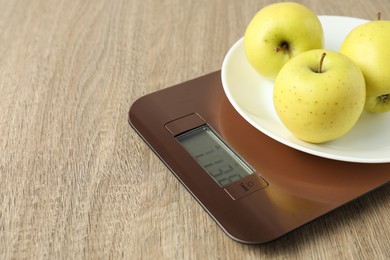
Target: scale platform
column 255, row 188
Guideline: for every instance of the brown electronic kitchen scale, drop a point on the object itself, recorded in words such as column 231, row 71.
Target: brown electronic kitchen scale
column 255, row 188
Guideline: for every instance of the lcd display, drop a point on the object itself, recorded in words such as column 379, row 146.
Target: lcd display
column 214, row 155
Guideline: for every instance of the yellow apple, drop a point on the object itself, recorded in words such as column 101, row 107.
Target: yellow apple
column 368, row 46
column 319, row 97
column 279, row 32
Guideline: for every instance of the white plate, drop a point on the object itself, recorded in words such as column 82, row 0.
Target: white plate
column 251, row 95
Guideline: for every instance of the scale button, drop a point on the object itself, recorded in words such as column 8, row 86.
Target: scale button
column 246, row 186
column 184, row 124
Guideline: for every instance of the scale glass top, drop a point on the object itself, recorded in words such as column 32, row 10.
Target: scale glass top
column 254, row 187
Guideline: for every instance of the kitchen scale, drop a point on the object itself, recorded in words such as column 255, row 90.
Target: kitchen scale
column 254, row 186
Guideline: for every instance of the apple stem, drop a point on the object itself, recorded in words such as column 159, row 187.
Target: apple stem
column 283, row 47
column 319, row 70
column 378, row 16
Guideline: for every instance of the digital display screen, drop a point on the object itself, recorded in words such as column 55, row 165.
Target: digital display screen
column 214, row 155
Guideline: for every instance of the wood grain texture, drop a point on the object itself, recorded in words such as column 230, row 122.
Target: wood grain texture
column 77, row 182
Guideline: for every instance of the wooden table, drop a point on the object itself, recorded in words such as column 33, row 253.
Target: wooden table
column 76, row 181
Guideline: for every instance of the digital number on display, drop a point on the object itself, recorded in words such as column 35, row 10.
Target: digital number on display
column 214, row 155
